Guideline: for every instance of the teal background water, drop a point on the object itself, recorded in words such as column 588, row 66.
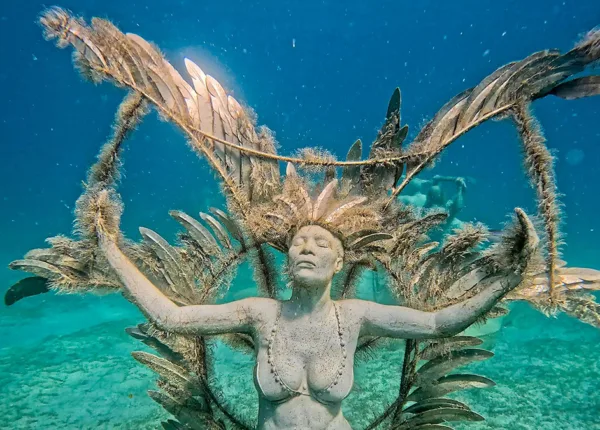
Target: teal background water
column 317, row 73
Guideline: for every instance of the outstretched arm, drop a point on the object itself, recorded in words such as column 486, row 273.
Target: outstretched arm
column 238, row 316
column 457, row 202
column 406, row 323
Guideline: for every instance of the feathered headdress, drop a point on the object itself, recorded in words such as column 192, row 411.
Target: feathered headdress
column 356, row 221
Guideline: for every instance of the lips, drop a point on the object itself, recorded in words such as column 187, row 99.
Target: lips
column 305, row 263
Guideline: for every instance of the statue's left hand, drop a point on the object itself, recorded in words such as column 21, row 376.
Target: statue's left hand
column 527, row 235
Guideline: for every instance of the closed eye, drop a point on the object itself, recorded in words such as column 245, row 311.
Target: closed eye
column 298, row 241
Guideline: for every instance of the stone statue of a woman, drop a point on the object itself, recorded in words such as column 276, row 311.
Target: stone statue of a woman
column 305, row 345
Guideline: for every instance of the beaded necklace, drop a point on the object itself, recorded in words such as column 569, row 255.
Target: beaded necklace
column 338, row 372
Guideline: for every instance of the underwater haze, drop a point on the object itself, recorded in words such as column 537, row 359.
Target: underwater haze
column 318, row 73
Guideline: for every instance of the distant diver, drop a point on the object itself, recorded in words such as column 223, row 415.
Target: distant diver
column 429, row 194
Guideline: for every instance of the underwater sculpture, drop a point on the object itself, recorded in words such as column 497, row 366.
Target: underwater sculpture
column 320, row 222
column 429, row 194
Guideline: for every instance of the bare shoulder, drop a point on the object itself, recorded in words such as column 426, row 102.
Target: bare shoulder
column 353, row 308
column 260, row 310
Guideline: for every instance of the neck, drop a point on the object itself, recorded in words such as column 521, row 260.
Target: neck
column 311, row 298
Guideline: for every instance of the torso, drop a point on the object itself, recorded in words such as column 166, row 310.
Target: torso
column 307, row 354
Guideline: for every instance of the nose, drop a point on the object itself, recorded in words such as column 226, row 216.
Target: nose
column 307, row 248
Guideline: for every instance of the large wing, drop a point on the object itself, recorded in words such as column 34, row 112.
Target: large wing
column 215, row 123
column 508, row 92
column 191, row 273
column 516, row 83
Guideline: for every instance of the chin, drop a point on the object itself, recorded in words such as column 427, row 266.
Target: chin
column 304, row 276
column 307, row 277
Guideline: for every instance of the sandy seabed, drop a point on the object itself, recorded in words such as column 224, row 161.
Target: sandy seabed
column 65, row 363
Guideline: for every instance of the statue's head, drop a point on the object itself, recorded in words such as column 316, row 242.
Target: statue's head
column 320, row 234
column 435, row 196
column 315, row 255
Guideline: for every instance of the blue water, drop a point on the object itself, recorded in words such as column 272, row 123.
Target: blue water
column 318, row 74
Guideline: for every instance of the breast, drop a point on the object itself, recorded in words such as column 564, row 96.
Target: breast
column 309, row 380
column 321, row 388
column 308, row 356
column 267, row 386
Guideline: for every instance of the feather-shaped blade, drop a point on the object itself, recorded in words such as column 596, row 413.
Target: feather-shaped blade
column 394, row 104
column 192, row 419
column 340, row 210
column 306, row 201
column 449, row 384
column 204, row 104
column 218, row 229
column 196, row 230
column 368, row 239
column 231, row 226
column 152, row 70
column 401, row 136
column 168, row 90
column 381, row 177
column 290, row 171
column 456, row 121
column 479, row 95
column 442, row 113
column 161, row 247
column 415, row 229
column 193, row 402
column 37, row 267
column 520, row 72
column 446, row 346
column 26, row 287
column 437, row 416
column 60, row 25
column 220, row 104
column 170, row 372
column 434, row 369
column 574, row 61
column 164, row 350
column 324, row 200
column 150, row 53
column 578, row 88
column 570, row 275
column 50, row 255
column 434, row 403
column 352, row 173
column 180, row 283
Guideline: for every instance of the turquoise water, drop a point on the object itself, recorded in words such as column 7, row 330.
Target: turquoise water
column 317, row 73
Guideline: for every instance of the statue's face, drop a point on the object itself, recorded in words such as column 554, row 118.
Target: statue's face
column 436, row 195
column 315, row 255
